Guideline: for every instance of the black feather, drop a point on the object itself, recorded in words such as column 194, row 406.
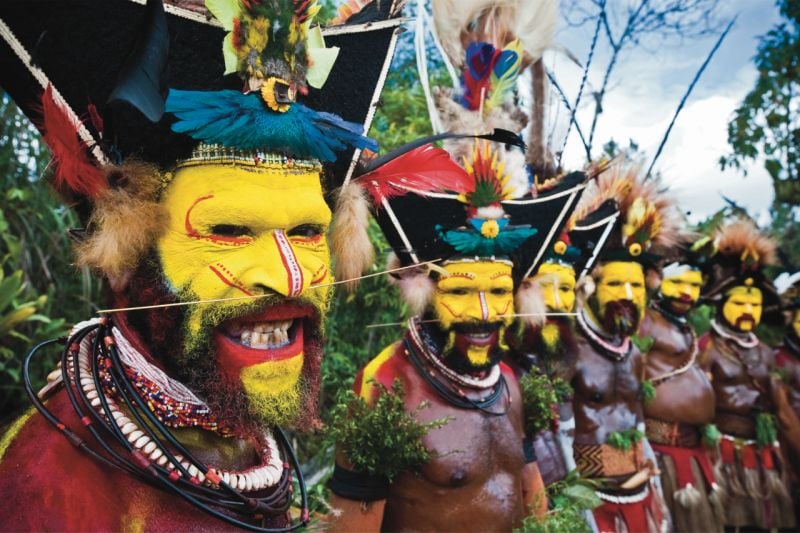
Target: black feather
column 498, row 135
column 141, row 82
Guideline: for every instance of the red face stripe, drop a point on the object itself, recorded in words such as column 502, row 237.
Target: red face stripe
column 218, row 239
column 290, row 263
column 227, row 281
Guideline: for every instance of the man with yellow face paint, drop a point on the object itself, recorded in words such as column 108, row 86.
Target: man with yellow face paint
column 480, row 476
column 166, row 411
column 680, row 413
column 546, row 345
column 609, row 443
column 749, row 461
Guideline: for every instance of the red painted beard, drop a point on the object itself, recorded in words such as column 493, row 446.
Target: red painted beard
column 681, row 305
column 744, row 319
column 212, row 368
column 621, row 318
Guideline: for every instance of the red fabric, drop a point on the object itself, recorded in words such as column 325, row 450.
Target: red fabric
column 749, row 455
column 766, row 458
column 681, row 458
column 633, row 514
column 702, row 342
column 749, row 458
column 727, row 452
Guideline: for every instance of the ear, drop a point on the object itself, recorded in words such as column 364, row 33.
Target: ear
column 416, row 286
column 528, row 301
column 585, row 288
column 349, row 240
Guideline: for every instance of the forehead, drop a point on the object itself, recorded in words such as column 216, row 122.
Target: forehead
column 625, row 270
column 241, row 191
column 563, row 272
column 476, row 273
column 743, row 293
column 687, row 276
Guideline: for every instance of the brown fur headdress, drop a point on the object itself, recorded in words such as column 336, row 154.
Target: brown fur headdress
column 739, row 254
column 649, row 225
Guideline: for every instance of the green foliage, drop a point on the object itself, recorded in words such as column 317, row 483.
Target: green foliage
column 648, row 391
column 643, row 343
column 711, row 435
column 624, row 440
column 564, row 390
column 767, row 123
column 382, row 439
column 40, row 291
column 539, row 402
column 766, row 430
column 700, row 318
column 569, row 498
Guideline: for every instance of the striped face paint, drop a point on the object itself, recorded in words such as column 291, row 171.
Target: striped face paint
column 241, row 230
column 475, row 294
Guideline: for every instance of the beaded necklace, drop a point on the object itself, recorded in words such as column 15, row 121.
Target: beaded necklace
column 616, row 353
column 687, row 364
column 750, row 342
column 137, row 443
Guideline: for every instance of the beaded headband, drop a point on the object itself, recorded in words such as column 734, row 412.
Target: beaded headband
column 205, row 154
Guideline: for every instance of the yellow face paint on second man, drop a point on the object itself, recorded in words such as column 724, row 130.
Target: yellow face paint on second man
column 622, row 280
column 475, row 292
column 743, row 307
column 557, row 285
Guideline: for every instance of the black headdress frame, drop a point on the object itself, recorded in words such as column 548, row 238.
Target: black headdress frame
column 112, row 56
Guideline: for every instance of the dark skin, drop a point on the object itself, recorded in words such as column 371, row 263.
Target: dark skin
column 606, row 393
column 688, row 397
column 740, row 392
column 790, row 370
column 476, row 479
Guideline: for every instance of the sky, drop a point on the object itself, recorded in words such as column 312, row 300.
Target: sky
column 646, row 88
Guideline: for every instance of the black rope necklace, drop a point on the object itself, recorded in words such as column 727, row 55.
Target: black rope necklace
column 220, row 499
column 454, row 396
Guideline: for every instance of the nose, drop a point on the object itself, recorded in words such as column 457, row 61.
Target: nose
column 556, row 297
column 749, row 309
column 479, row 309
column 629, row 291
column 275, row 267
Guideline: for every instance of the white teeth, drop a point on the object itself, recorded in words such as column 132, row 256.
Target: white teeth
column 261, row 335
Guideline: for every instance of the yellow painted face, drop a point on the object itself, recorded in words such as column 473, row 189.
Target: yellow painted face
column 621, row 280
column 796, row 322
column 743, row 307
column 557, row 284
column 239, row 230
column 683, row 289
column 475, row 292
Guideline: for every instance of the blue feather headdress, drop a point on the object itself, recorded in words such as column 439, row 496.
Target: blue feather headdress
column 266, row 116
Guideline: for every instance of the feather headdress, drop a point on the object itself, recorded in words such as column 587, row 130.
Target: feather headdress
column 738, row 255
column 492, row 42
column 649, row 224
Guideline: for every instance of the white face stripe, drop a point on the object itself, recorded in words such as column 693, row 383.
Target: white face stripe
column 556, row 297
column 629, row 291
column 290, row 263
column 484, row 305
column 675, row 269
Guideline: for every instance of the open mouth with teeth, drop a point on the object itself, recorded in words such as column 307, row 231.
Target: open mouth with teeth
column 271, row 335
column 478, row 334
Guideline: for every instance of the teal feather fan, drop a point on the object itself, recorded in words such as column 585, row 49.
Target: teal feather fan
column 232, row 119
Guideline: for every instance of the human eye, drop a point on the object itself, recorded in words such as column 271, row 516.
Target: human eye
column 306, row 231
column 500, row 291
column 230, row 230
column 614, row 283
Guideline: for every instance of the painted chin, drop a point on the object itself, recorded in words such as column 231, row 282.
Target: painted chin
column 745, row 323
column 275, row 334
column 681, row 305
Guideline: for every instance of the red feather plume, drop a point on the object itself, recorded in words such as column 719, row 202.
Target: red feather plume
column 423, row 169
column 72, row 165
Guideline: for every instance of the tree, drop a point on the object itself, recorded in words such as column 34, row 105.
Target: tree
column 767, row 123
column 619, row 26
